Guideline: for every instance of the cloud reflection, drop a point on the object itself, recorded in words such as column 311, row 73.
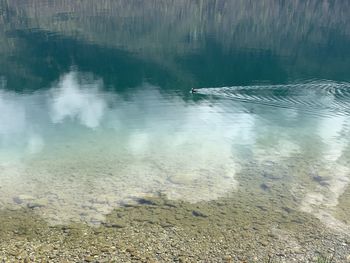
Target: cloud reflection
column 13, row 115
column 156, row 144
column 84, row 158
column 334, row 175
column 75, row 100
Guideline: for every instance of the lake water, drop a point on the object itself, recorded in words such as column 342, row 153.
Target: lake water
column 96, row 109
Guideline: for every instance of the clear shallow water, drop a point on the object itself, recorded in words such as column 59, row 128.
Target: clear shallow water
column 96, row 109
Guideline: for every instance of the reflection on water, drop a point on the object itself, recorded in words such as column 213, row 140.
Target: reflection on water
column 70, row 145
column 314, row 96
column 95, row 108
column 77, row 100
column 194, row 44
column 335, row 179
column 78, row 151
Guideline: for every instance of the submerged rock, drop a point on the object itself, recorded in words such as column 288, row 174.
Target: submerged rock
column 266, row 186
column 148, row 201
column 37, row 203
column 20, row 199
column 197, row 213
column 181, row 179
column 273, row 175
column 114, row 225
column 322, row 180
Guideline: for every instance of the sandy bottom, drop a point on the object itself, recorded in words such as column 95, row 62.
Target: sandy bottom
column 260, row 219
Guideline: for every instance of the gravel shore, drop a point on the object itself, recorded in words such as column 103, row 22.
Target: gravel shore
column 159, row 230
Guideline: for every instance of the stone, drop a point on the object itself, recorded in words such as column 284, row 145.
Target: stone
column 144, row 201
column 89, row 259
column 322, row 180
column 272, row 176
column 266, row 186
column 115, row 225
column 181, row 179
column 264, row 243
column 197, row 213
column 227, row 259
column 261, row 207
column 20, row 199
column 37, row 203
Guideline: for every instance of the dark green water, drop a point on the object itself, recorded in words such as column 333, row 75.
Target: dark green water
column 96, row 109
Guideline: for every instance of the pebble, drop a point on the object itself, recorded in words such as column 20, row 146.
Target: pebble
column 197, row 213
column 204, row 240
column 181, row 179
column 227, row 259
column 89, row 259
column 265, row 186
column 22, row 199
column 37, row 203
column 264, row 243
column 115, row 225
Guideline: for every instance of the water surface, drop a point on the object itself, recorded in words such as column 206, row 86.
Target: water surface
column 96, row 109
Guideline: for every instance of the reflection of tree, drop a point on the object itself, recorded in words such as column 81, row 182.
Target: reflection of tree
column 136, row 24
column 164, row 31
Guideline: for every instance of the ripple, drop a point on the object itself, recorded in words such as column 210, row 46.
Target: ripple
column 315, row 96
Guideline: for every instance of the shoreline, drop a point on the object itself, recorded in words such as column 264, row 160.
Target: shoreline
column 160, row 230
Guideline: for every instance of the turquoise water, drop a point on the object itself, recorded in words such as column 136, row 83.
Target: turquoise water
column 96, row 109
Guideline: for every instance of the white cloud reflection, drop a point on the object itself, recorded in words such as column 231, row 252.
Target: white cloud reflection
column 35, row 144
column 13, row 115
column 75, row 100
column 84, row 158
column 146, row 144
column 17, row 132
column 334, row 175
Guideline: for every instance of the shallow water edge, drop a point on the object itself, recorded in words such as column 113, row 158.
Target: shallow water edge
column 156, row 229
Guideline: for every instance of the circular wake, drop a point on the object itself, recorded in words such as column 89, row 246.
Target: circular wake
column 311, row 96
